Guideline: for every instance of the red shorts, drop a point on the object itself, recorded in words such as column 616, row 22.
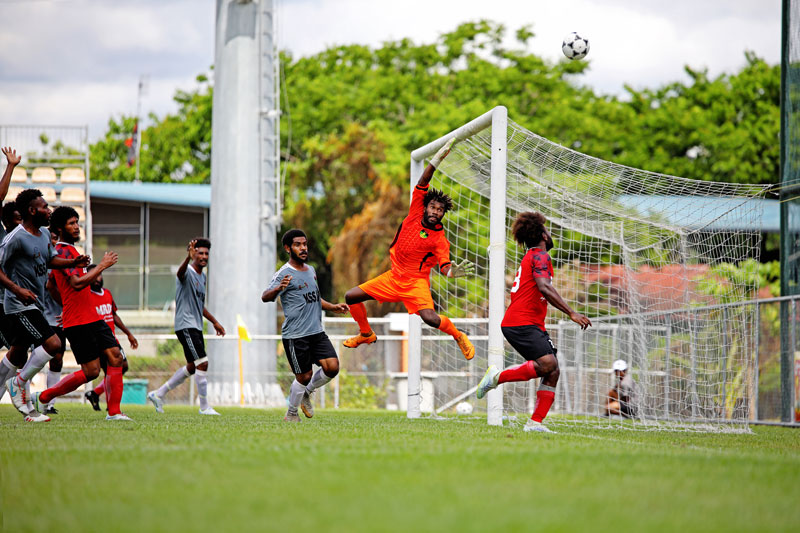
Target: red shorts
column 415, row 293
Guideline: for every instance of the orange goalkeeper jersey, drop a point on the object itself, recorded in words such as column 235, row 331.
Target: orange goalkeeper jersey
column 415, row 248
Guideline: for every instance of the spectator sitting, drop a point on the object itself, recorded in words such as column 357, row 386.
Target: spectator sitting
column 622, row 397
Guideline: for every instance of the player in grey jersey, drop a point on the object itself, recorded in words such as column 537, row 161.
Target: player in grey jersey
column 190, row 309
column 304, row 339
column 12, row 160
column 26, row 254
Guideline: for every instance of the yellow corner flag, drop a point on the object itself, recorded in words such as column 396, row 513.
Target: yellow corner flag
column 243, row 334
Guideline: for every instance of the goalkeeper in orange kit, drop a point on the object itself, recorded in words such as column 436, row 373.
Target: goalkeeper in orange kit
column 419, row 245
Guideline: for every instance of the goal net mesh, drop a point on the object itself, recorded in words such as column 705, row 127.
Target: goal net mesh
column 658, row 263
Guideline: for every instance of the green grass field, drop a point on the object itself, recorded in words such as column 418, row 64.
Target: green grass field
column 377, row 471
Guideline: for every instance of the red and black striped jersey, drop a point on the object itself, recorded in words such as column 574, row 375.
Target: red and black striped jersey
column 528, row 306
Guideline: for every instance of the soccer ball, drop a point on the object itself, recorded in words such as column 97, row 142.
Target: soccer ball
column 575, row 46
column 464, row 408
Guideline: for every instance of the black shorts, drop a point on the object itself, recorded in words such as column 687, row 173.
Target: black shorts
column 530, row 341
column 28, row 328
column 89, row 341
column 304, row 351
column 194, row 346
column 5, row 332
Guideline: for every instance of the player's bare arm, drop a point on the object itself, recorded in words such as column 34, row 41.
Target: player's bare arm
column 13, row 160
column 121, row 325
column 427, row 174
column 217, row 326
column 190, row 251
column 270, row 294
column 339, row 308
column 25, row 296
column 63, row 262
column 551, row 295
column 81, row 282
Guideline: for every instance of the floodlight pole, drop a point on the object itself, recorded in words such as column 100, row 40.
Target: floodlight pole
column 244, row 190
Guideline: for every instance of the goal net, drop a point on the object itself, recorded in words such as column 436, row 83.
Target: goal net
column 663, row 266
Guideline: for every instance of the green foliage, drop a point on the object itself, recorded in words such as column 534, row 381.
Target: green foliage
column 354, row 112
column 356, row 392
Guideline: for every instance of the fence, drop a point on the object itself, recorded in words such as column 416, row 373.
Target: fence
column 376, row 375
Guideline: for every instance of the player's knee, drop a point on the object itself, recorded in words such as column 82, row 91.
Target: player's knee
column 124, row 366
column 91, row 372
column 304, row 379
column 351, row 296
column 430, row 317
column 548, row 364
column 331, row 369
column 190, row 368
column 555, row 374
column 52, row 345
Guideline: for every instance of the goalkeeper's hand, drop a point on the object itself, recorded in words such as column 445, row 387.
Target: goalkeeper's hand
column 442, row 153
column 459, row 270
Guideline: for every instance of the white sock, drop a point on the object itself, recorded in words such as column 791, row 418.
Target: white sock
column 318, row 380
column 52, row 378
column 37, row 361
column 201, row 380
column 7, row 371
column 177, row 378
column 296, row 396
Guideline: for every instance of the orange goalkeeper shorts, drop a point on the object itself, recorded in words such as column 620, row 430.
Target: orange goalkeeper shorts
column 415, row 293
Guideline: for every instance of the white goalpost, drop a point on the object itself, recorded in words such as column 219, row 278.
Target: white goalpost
column 659, row 264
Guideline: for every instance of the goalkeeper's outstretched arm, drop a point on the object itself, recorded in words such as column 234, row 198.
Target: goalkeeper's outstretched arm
column 427, row 174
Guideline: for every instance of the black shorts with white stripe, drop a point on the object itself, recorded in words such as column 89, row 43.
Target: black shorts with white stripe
column 27, row 328
column 5, row 330
column 194, row 346
column 304, row 351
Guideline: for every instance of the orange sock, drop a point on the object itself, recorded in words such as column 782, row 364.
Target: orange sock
column 359, row 314
column 448, row 327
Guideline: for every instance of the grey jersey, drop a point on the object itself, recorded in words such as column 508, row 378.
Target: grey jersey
column 190, row 297
column 3, row 234
column 52, row 309
column 301, row 301
column 24, row 259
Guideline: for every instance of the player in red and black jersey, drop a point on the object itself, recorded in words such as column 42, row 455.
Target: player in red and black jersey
column 523, row 324
column 89, row 336
column 106, row 308
column 419, row 245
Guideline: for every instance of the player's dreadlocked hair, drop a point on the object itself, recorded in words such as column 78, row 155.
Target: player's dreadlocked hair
column 8, row 214
column 528, row 228
column 59, row 218
column 435, row 195
column 24, row 200
column 289, row 236
column 202, row 242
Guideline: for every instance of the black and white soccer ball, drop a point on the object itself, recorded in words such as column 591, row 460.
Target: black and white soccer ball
column 575, row 46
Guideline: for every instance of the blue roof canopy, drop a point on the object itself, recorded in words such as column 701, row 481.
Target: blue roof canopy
column 155, row 193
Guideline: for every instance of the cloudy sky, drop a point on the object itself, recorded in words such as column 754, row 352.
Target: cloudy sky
column 79, row 61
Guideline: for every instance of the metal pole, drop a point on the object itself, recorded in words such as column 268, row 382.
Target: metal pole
column 667, row 350
column 754, row 413
column 414, row 329
column 724, row 362
column 693, row 362
column 497, row 256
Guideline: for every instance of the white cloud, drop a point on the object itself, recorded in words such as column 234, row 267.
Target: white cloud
column 79, row 61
